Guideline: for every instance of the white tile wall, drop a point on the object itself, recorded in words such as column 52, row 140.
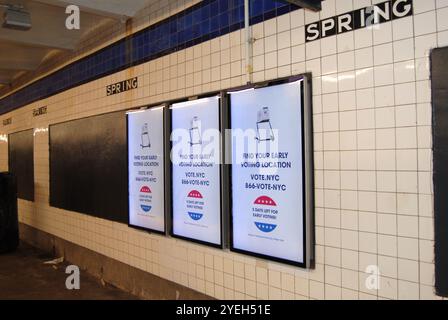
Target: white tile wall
column 372, row 123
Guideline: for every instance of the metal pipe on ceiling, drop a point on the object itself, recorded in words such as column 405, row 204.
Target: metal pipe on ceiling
column 314, row 5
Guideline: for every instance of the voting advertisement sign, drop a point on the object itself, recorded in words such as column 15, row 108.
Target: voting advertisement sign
column 271, row 175
column 146, row 169
column 196, row 173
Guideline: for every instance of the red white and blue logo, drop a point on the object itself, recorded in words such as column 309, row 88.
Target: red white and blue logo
column 266, row 209
column 195, row 204
column 145, row 199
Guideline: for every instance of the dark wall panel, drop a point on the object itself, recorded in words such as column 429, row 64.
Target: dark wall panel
column 439, row 77
column 88, row 166
column 21, row 162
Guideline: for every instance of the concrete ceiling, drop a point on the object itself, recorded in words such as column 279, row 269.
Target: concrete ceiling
column 25, row 51
column 21, row 59
column 22, row 52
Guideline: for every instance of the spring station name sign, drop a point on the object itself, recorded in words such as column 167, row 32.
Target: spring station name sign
column 269, row 212
column 359, row 19
column 146, row 169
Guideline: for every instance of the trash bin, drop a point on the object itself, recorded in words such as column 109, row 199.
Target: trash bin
column 9, row 224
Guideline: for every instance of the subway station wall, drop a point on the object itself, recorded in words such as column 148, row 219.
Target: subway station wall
column 372, row 155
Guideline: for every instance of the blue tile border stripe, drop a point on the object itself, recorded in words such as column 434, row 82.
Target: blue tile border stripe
column 202, row 22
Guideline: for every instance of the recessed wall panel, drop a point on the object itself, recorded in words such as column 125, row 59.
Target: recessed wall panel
column 88, row 166
column 21, row 162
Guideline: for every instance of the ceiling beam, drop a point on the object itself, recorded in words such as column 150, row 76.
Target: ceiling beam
column 314, row 5
column 64, row 4
column 11, row 65
column 34, row 39
column 21, row 57
column 4, row 79
column 112, row 8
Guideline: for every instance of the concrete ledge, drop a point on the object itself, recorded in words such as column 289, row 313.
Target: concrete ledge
column 116, row 273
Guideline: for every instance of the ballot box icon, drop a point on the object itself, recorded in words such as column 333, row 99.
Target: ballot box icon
column 195, row 131
column 264, row 127
column 146, row 143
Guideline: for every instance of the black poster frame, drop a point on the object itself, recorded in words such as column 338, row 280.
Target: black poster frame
column 165, row 166
column 307, row 169
column 221, row 106
column 26, row 192
column 116, row 217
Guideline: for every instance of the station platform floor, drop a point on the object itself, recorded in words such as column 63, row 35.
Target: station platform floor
column 24, row 276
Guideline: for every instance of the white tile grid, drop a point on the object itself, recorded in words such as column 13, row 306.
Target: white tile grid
column 372, row 148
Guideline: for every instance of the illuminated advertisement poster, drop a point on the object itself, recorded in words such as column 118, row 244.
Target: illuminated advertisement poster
column 268, row 182
column 146, row 169
column 196, row 178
